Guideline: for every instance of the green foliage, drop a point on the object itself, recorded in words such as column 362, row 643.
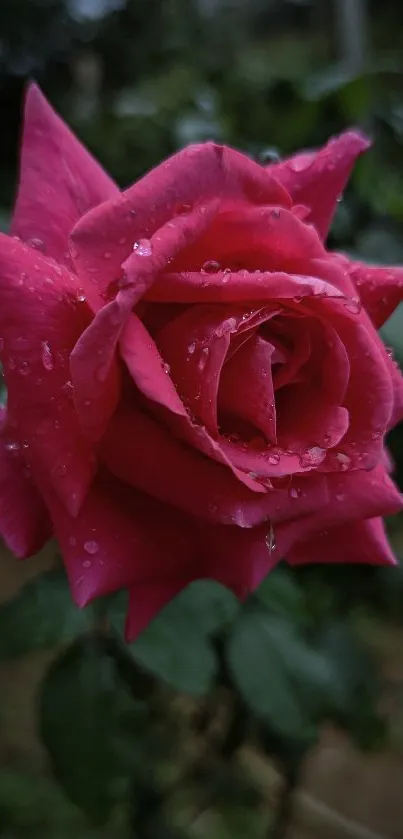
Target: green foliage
column 40, row 616
column 91, row 727
column 177, row 645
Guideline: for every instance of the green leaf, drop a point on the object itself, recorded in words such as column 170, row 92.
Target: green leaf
column 281, row 594
column 41, row 616
column 281, row 678
column 91, row 727
column 357, row 687
column 177, row 646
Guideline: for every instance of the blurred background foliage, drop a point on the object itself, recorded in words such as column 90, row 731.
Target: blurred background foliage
column 138, row 79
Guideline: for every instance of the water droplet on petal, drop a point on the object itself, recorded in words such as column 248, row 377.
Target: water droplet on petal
column 107, row 255
column 203, row 358
column 301, row 162
column 270, row 539
column 87, row 563
column 353, row 305
column 143, row 247
column 81, row 298
column 343, row 460
column 294, row 492
column 122, row 241
column 275, row 214
column 47, row 356
column 23, row 368
column 211, row 266
column 191, row 348
column 91, row 547
column 37, row 244
column 12, row 447
column 340, row 497
column 274, row 458
column 312, row 456
column 72, row 541
column 166, row 368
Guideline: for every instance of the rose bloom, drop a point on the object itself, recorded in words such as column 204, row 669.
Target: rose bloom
column 196, row 386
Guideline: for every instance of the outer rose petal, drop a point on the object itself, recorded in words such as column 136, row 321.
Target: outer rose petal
column 239, row 559
column 40, row 321
column 59, row 181
column 362, row 541
column 354, row 496
column 24, row 521
column 188, row 181
column 120, row 538
column 379, row 287
column 317, row 179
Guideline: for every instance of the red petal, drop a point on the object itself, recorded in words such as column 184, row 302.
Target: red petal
column 246, row 386
column 363, row 542
column 237, row 287
column 141, row 452
column 379, row 287
column 120, row 538
column 177, row 193
column 353, row 496
column 40, row 321
column 59, row 180
column 24, row 521
column 195, row 345
column 317, row 179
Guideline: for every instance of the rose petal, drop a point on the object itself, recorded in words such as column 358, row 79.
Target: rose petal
column 363, row 541
column 317, row 179
column 40, row 321
column 237, row 287
column 379, row 287
column 119, row 538
column 353, row 496
column 246, row 386
column 141, row 452
column 184, row 184
column 24, row 521
column 59, row 180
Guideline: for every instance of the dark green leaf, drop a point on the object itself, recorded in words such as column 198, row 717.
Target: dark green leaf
column 176, row 646
column 90, row 726
column 40, row 616
column 280, row 593
column 281, row 678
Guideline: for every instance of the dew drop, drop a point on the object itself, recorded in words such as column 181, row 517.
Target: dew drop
column 72, row 541
column 301, row 162
column 107, row 255
column 275, row 214
column 340, row 497
column 203, row 358
column 191, row 348
column 143, row 247
column 343, row 460
column 270, row 539
column 23, row 368
column 47, row 356
column 274, row 459
column 91, row 547
column 312, row 456
column 353, row 305
column 122, row 241
column 87, row 563
column 12, row 447
column 294, row 492
column 61, row 470
column 211, row 266
column 81, row 298
column 166, row 368
column 37, row 244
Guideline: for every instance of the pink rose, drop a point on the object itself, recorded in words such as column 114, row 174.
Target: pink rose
column 196, row 387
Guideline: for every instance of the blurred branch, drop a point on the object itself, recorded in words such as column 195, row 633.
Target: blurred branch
column 352, row 31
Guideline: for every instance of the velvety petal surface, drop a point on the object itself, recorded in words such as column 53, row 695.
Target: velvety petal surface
column 41, row 318
column 59, row 180
column 317, row 179
column 24, row 520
